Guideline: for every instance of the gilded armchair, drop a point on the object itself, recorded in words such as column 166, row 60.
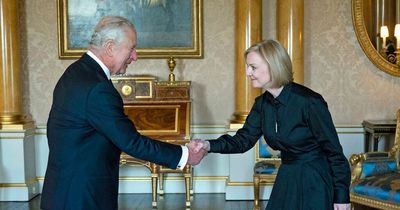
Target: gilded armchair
column 375, row 177
column 265, row 168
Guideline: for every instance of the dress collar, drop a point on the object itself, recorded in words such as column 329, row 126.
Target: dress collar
column 282, row 98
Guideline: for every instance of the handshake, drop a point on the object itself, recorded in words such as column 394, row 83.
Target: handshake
column 198, row 149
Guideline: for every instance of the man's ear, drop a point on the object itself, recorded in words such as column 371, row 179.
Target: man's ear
column 109, row 47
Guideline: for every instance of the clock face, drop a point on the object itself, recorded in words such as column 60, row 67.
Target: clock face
column 126, row 90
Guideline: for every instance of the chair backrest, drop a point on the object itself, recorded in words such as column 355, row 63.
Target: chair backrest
column 265, row 152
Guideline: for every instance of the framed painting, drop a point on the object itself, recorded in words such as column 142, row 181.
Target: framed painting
column 164, row 28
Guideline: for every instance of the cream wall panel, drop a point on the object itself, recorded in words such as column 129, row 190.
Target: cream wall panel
column 213, row 164
column 212, row 77
column 334, row 63
column 18, row 193
column 17, row 156
column 11, row 169
column 336, row 66
column 18, row 180
column 41, row 150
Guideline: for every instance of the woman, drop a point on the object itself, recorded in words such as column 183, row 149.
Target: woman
column 294, row 119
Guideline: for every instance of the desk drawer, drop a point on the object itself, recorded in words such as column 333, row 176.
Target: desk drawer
column 161, row 121
column 172, row 92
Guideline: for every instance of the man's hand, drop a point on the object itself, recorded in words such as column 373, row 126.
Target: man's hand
column 195, row 156
column 197, row 151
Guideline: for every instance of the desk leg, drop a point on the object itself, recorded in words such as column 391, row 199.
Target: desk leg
column 154, row 177
column 191, row 180
column 376, row 141
column 187, row 185
column 366, row 141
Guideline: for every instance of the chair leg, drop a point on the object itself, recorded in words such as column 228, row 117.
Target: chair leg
column 256, row 183
column 154, row 177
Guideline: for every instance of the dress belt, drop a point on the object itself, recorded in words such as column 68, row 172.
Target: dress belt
column 292, row 158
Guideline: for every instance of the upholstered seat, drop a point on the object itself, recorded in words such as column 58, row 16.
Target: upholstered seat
column 376, row 177
column 384, row 187
column 265, row 168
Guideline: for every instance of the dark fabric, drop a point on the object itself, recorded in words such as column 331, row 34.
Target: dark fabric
column 86, row 131
column 383, row 187
column 314, row 173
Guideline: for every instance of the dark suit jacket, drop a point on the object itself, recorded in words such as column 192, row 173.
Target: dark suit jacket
column 86, row 131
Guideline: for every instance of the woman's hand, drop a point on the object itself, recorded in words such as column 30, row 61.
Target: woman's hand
column 341, row 206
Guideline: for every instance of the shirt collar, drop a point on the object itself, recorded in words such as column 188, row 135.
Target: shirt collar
column 102, row 65
column 282, row 97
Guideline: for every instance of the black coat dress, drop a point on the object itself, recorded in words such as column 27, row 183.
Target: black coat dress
column 314, row 173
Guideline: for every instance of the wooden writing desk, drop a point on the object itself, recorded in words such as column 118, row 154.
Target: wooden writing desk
column 160, row 110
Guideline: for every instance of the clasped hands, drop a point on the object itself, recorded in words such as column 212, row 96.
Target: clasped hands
column 198, row 149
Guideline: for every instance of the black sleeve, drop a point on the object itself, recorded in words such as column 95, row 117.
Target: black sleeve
column 105, row 112
column 245, row 138
column 322, row 126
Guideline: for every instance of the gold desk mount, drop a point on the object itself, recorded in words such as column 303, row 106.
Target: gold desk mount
column 171, row 65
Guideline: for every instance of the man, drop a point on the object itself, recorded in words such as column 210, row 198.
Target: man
column 87, row 127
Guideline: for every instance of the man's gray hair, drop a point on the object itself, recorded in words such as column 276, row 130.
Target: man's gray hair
column 110, row 28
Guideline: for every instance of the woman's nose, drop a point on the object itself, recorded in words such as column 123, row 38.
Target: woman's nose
column 248, row 71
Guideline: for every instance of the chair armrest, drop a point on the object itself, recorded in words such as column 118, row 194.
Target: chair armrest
column 358, row 163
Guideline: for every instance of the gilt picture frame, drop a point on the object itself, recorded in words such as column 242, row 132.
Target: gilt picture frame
column 165, row 28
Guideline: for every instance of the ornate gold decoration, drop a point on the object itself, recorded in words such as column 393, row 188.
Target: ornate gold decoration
column 239, row 117
column 175, row 83
column 15, row 123
column 357, row 160
column 126, row 90
column 171, row 65
column 365, row 42
column 66, row 51
column 247, row 32
column 372, row 202
column 142, row 86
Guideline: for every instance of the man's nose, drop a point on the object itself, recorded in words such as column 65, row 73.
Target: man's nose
column 134, row 56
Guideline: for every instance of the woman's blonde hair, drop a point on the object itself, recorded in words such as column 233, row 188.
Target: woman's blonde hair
column 278, row 61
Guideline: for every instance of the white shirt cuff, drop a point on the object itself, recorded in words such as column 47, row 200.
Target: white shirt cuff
column 184, row 158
